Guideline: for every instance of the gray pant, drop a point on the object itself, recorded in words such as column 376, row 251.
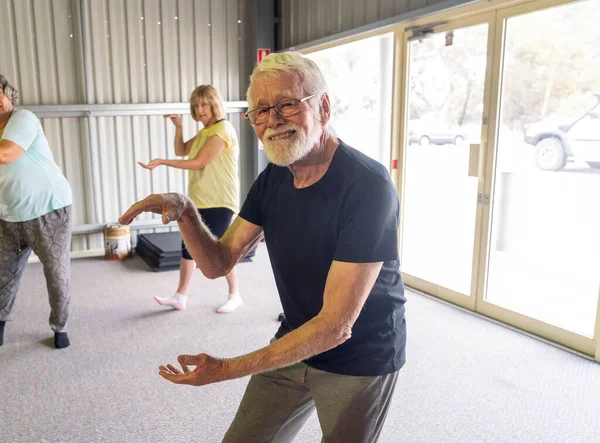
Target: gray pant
column 50, row 238
column 277, row 404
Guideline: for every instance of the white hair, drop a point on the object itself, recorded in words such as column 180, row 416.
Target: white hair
column 273, row 65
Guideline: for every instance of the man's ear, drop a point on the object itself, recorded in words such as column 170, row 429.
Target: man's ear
column 325, row 106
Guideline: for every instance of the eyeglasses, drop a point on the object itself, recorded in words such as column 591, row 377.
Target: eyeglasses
column 287, row 108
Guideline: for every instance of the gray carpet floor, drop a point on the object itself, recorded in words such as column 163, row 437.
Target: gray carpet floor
column 466, row 380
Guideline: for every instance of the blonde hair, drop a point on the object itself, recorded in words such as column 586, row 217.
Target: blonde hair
column 9, row 90
column 212, row 97
column 273, row 65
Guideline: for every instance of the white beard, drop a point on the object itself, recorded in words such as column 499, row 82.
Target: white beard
column 286, row 151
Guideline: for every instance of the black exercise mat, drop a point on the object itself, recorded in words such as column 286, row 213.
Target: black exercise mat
column 162, row 269
column 164, row 244
column 151, row 249
column 146, row 250
column 154, row 260
column 158, row 265
column 162, row 251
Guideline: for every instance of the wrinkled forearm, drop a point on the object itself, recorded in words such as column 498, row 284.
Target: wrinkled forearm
column 211, row 257
column 312, row 338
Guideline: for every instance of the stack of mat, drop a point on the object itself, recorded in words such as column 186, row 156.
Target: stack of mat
column 162, row 251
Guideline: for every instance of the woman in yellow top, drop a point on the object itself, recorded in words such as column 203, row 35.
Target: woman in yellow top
column 213, row 182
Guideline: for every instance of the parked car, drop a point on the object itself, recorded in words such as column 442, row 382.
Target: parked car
column 577, row 139
column 434, row 133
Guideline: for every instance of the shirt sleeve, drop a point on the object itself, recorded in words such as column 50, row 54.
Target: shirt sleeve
column 369, row 223
column 22, row 129
column 252, row 208
column 225, row 131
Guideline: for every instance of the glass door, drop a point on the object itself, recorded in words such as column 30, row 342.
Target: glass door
column 447, row 71
column 543, row 247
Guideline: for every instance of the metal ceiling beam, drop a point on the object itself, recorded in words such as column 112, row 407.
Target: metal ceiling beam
column 126, row 109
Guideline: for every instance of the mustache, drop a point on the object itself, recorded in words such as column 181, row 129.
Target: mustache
column 288, row 127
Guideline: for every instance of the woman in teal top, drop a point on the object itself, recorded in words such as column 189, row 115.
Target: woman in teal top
column 35, row 213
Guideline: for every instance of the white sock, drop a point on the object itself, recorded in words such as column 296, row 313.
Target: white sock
column 176, row 301
column 233, row 302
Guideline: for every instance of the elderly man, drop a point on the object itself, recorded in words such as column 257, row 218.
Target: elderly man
column 329, row 215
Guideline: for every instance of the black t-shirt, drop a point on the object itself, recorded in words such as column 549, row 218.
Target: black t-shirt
column 350, row 215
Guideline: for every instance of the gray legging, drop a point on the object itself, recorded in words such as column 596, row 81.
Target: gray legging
column 50, row 238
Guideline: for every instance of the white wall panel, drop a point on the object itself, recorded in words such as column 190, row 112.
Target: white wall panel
column 137, row 80
column 69, row 150
column 218, row 34
column 185, row 50
column 39, row 50
column 26, row 50
column 203, row 43
column 133, row 51
column 234, row 24
column 154, row 51
column 8, row 37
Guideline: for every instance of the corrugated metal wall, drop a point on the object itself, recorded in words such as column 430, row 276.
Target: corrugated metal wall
column 61, row 52
column 307, row 20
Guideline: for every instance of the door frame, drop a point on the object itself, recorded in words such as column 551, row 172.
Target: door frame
column 586, row 345
column 467, row 301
